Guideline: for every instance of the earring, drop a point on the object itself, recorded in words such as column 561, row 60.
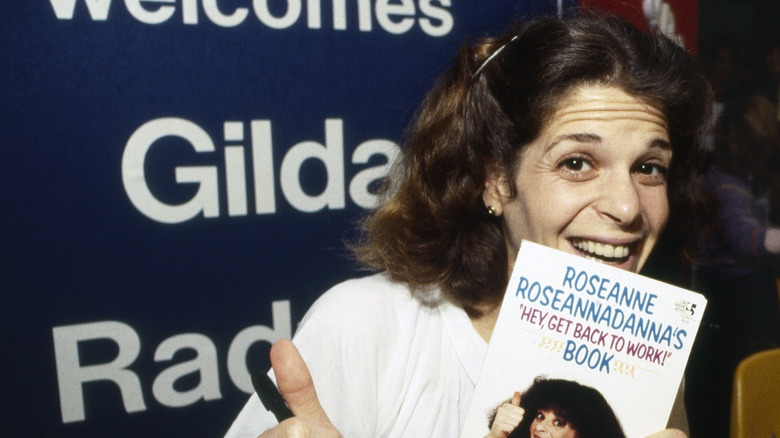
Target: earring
column 491, row 211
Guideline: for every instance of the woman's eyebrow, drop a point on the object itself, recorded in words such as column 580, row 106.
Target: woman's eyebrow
column 661, row 143
column 580, row 137
column 585, row 137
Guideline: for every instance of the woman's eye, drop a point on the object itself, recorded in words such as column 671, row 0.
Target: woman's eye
column 652, row 173
column 576, row 168
column 560, row 423
column 575, row 164
column 651, row 169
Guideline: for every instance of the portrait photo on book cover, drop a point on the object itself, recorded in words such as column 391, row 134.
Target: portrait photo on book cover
column 558, row 408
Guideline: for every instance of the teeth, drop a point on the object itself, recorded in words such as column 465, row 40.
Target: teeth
column 604, row 250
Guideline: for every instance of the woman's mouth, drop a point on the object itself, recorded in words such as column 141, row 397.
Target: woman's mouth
column 603, row 252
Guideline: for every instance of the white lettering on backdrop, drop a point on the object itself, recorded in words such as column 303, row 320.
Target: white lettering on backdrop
column 72, row 374
column 206, row 199
column 398, row 17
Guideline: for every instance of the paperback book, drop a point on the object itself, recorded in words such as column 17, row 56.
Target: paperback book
column 565, row 317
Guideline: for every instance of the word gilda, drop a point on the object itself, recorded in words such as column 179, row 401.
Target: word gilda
column 238, row 178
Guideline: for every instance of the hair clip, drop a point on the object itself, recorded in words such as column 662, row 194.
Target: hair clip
column 490, row 58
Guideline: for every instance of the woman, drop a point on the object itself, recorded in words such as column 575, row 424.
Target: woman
column 557, row 408
column 561, row 131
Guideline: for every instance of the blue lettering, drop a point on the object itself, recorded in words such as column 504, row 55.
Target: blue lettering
column 521, row 287
column 582, row 355
column 567, row 278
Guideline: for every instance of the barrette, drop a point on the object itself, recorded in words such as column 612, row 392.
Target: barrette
column 490, row 58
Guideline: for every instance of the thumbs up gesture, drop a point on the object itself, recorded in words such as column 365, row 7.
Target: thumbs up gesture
column 508, row 417
column 297, row 388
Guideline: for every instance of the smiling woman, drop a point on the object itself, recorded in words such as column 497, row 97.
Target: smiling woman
column 584, row 90
column 576, row 132
column 556, row 408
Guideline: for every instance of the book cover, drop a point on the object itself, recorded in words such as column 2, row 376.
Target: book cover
column 566, row 317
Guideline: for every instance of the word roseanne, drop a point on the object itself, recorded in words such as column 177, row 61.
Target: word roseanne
column 597, row 286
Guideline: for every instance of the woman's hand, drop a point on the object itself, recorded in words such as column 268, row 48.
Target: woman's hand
column 297, row 388
column 508, row 416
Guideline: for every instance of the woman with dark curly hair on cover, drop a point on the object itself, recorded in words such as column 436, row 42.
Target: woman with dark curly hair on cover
column 555, row 408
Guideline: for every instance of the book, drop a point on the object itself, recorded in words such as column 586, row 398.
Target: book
column 567, row 317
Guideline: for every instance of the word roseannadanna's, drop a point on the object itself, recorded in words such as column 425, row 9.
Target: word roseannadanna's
column 607, row 303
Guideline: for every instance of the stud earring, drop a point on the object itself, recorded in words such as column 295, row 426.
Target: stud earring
column 491, row 211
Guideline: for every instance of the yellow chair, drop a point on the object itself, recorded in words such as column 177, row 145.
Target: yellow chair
column 755, row 405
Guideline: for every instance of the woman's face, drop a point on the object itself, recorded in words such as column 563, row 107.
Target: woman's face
column 548, row 425
column 594, row 181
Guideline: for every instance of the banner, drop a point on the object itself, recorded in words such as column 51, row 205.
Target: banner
column 179, row 178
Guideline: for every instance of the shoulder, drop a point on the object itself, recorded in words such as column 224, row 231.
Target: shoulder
column 368, row 304
column 366, row 293
column 371, row 288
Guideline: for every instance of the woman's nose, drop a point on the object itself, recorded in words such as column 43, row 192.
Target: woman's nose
column 619, row 201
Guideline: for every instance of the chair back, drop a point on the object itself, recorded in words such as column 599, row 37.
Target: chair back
column 755, row 405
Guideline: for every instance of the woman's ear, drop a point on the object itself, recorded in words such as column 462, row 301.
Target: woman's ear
column 496, row 192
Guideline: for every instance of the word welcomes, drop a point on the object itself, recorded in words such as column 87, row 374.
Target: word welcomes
column 135, row 164
column 393, row 16
column 72, row 374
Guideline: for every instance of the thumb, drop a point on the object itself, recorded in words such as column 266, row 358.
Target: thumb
column 295, row 382
column 516, row 399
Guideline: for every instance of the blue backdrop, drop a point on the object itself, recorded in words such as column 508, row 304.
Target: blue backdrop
column 178, row 181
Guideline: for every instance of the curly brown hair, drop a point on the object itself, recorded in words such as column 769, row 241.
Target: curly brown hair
column 431, row 227
column 584, row 408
